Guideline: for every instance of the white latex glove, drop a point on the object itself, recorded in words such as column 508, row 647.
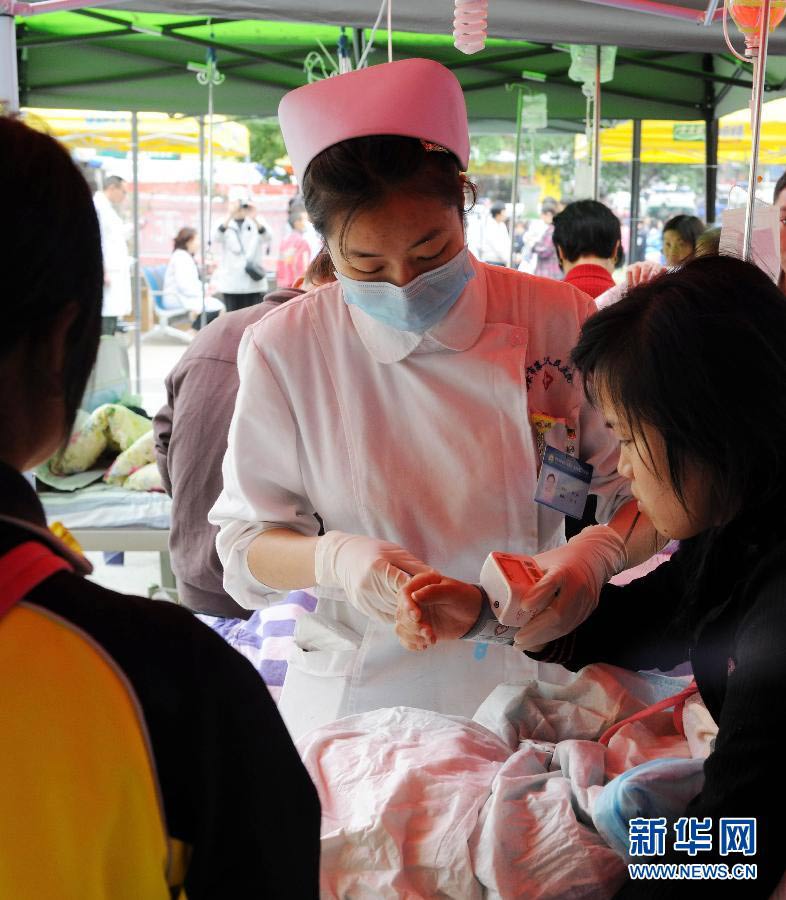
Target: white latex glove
column 575, row 574
column 369, row 571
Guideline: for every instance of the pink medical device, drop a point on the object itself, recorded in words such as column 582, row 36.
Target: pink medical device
column 506, row 579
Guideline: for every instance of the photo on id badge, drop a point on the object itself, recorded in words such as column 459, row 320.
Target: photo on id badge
column 563, row 483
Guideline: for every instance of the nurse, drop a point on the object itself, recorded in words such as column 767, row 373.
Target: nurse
column 408, row 404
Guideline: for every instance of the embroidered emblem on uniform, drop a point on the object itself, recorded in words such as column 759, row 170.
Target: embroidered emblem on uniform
column 547, row 379
column 548, row 363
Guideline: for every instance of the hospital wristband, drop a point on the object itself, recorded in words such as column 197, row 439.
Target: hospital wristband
column 487, row 628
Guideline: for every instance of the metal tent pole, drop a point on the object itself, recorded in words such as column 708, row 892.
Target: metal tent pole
column 710, row 142
column 514, row 194
column 9, row 77
column 759, row 67
column 596, row 129
column 202, row 218
column 711, row 171
column 137, row 270
column 635, row 191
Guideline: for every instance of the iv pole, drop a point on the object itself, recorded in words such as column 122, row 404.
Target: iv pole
column 756, row 51
column 515, row 190
column 596, row 129
column 759, row 67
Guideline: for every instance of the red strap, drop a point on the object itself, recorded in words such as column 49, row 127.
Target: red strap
column 677, row 701
column 24, row 568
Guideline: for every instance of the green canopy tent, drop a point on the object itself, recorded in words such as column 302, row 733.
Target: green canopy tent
column 668, row 66
column 114, row 59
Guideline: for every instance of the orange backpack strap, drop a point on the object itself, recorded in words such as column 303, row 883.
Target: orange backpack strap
column 24, row 568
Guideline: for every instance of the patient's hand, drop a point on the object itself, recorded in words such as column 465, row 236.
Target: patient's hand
column 432, row 607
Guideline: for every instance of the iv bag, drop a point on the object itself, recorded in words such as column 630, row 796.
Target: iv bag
column 765, row 237
column 583, row 60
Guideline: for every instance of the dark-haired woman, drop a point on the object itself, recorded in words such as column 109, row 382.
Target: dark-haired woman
column 102, row 691
column 680, row 234
column 690, row 374
column 182, row 283
column 407, row 404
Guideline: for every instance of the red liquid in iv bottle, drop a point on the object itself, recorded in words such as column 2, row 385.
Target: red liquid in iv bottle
column 747, row 14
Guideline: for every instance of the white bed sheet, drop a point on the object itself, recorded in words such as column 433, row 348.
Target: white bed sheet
column 417, row 804
column 107, row 506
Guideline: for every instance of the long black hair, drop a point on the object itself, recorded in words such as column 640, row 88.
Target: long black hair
column 50, row 255
column 700, row 355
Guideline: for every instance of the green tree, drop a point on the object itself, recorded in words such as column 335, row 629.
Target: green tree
column 267, row 142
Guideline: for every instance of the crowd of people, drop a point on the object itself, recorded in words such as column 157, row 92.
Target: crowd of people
column 529, row 245
column 371, row 432
column 239, row 280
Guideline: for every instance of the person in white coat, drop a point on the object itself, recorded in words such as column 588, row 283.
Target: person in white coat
column 495, row 246
column 183, row 284
column 407, row 405
column 114, row 248
column 240, row 275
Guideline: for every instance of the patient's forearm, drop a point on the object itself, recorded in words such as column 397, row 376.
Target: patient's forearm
column 283, row 559
column 642, row 540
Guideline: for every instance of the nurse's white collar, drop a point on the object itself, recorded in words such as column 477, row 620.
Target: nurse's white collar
column 459, row 330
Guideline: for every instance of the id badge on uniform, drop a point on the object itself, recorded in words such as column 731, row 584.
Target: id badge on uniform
column 564, row 482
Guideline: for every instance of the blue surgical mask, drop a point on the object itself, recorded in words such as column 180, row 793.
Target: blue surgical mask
column 418, row 305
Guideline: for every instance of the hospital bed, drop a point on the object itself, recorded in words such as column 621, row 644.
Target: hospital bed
column 107, row 518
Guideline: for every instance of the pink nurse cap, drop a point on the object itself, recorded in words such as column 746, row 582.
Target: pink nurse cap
column 412, row 97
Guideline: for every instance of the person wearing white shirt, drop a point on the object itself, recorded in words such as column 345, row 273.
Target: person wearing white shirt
column 404, row 404
column 495, row 241
column 182, row 283
column 242, row 236
column 114, row 249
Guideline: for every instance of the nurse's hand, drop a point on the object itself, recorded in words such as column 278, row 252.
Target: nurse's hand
column 432, row 607
column 370, row 572
column 570, row 588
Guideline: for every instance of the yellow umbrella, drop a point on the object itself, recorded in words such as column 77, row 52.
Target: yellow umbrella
column 158, row 132
column 683, row 142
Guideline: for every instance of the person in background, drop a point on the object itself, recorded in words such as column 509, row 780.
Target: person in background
column 114, row 249
column 294, row 252
column 240, row 275
column 315, row 244
column 137, row 745
column 519, row 235
column 495, row 243
column 547, row 265
column 588, row 242
column 182, row 283
column 653, row 244
column 707, row 244
column 679, row 238
column 191, row 439
column 779, row 200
